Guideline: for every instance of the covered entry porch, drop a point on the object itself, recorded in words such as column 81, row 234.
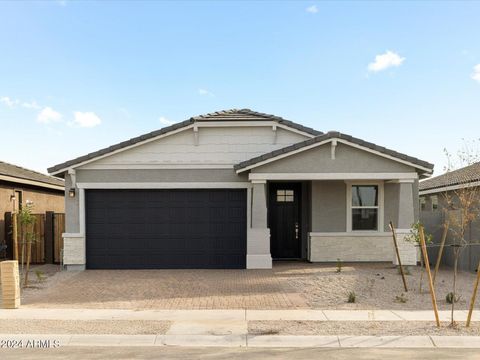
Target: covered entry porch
column 331, row 217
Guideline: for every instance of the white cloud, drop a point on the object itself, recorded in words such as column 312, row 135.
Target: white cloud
column 476, row 73
column 385, row 61
column 31, row 105
column 86, row 119
column 205, row 92
column 312, row 9
column 8, row 101
column 164, row 121
column 48, row 116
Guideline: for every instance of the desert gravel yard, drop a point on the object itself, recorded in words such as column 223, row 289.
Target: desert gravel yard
column 288, row 285
column 360, row 328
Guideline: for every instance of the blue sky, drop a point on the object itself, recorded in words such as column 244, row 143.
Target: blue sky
column 79, row 76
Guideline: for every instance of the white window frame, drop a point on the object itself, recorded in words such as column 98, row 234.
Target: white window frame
column 380, row 206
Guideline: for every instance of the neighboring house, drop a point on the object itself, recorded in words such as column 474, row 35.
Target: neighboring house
column 19, row 185
column 434, row 193
column 234, row 189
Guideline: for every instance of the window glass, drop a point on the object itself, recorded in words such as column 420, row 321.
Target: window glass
column 285, row 196
column 434, row 200
column 364, row 219
column 423, row 203
column 364, row 195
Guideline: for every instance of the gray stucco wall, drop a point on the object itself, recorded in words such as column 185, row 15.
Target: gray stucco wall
column 347, row 160
column 391, row 204
column 433, row 220
column 71, row 209
column 329, row 210
column 160, row 175
column 416, row 201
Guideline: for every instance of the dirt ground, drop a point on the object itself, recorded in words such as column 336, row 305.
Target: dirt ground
column 117, row 327
column 305, row 285
column 359, row 328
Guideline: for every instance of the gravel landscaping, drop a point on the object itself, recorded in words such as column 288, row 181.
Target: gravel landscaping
column 376, row 286
column 117, row 327
column 354, row 328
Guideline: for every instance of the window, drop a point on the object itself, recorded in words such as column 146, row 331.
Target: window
column 364, row 207
column 434, row 200
column 423, row 203
column 285, row 196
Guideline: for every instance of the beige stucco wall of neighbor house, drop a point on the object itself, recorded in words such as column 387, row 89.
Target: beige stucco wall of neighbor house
column 43, row 200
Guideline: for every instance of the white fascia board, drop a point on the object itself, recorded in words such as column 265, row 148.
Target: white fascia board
column 449, row 188
column 166, row 185
column 123, row 149
column 31, row 182
column 332, row 176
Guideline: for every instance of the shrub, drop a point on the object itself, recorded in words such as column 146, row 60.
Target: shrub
column 352, row 297
column 339, row 265
column 450, row 298
column 401, row 299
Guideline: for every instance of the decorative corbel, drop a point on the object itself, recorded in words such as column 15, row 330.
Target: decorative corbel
column 332, row 149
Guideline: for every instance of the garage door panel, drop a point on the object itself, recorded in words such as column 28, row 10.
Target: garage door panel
column 129, row 229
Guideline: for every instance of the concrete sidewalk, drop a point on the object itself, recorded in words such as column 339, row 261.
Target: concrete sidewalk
column 248, row 341
column 231, row 315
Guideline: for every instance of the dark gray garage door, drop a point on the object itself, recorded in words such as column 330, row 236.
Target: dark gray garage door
column 175, row 229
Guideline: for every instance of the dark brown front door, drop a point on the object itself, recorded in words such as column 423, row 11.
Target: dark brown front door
column 284, row 220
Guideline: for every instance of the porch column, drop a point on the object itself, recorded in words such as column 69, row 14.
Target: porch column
column 258, row 235
column 406, row 217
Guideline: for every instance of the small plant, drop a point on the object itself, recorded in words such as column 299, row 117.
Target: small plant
column 339, row 266
column 40, row 275
column 414, row 236
column 401, row 299
column 406, row 270
column 450, row 298
column 352, row 297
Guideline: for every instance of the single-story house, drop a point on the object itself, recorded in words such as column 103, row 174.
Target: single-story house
column 19, row 185
column 236, row 189
column 434, row 193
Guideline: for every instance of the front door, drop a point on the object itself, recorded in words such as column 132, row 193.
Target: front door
column 284, row 220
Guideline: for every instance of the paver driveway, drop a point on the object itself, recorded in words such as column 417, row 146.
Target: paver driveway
column 170, row 289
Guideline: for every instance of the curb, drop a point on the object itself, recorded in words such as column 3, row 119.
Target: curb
column 248, row 341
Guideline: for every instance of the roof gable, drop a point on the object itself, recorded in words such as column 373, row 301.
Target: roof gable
column 424, row 166
column 233, row 115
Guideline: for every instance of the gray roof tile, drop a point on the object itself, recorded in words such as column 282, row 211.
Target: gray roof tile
column 464, row 175
column 27, row 174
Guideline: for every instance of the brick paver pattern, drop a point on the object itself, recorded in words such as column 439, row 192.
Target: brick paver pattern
column 172, row 289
